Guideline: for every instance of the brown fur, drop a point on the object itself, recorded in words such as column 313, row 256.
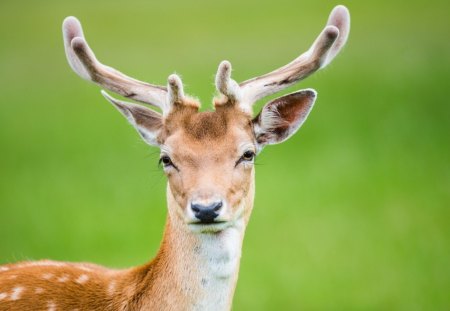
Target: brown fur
column 206, row 148
column 210, row 140
column 206, row 165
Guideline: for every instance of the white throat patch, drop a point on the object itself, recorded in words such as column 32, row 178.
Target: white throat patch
column 220, row 254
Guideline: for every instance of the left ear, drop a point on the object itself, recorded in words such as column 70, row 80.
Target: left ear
column 282, row 117
column 147, row 122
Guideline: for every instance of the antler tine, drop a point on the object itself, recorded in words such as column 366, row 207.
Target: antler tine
column 225, row 84
column 85, row 64
column 176, row 91
column 340, row 18
column 228, row 87
column 321, row 53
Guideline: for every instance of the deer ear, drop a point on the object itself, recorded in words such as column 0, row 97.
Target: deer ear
column 147, row 122
column 282, row 117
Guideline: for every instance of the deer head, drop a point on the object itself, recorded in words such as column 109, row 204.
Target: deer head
column 208, row 156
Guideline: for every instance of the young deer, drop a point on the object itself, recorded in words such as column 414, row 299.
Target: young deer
column 208, row 159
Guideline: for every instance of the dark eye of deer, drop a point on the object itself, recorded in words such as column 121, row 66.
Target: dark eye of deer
column 165, row 160
column 248, row 155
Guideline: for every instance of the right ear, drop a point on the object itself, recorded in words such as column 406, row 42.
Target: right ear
column 147, row 122
column 282, row 117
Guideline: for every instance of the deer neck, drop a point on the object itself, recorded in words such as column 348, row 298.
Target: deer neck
column 195, row 271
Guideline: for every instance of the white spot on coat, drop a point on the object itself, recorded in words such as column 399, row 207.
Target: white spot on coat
column 3, row 296
column 51, row 306
column 17, row 291
column 4, row 269
column 42, row 263
column 47, row 276
column 111, row 287
column 82, row 279
column 39, row 290
column 84, row 268
column 63, row 278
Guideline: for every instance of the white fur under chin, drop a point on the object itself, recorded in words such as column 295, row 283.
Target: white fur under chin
column 221, row 253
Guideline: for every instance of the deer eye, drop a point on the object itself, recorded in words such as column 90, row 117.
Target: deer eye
column 248, row 155
column 165, row 160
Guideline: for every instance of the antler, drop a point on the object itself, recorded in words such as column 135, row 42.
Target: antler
column 321, row 53
column 85, row 64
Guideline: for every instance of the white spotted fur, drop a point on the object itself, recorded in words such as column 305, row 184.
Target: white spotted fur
column 82, row 279
column 16, row 293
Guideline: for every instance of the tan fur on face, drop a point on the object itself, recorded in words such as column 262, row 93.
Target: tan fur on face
column 213, row 142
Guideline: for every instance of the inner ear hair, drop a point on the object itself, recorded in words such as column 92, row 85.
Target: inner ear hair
column 146, row 121
column 282, row 117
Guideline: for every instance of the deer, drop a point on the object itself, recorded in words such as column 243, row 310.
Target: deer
column 208, row 158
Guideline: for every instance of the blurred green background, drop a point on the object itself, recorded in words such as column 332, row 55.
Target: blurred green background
column 351, row 214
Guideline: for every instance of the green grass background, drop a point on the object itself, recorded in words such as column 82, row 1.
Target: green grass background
column 351, row 214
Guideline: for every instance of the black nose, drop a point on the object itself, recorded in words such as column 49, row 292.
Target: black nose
column 206, row 213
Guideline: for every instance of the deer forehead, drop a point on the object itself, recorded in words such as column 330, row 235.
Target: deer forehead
column 212, row 134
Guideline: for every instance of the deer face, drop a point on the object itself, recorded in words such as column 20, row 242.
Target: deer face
column 208, row 156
